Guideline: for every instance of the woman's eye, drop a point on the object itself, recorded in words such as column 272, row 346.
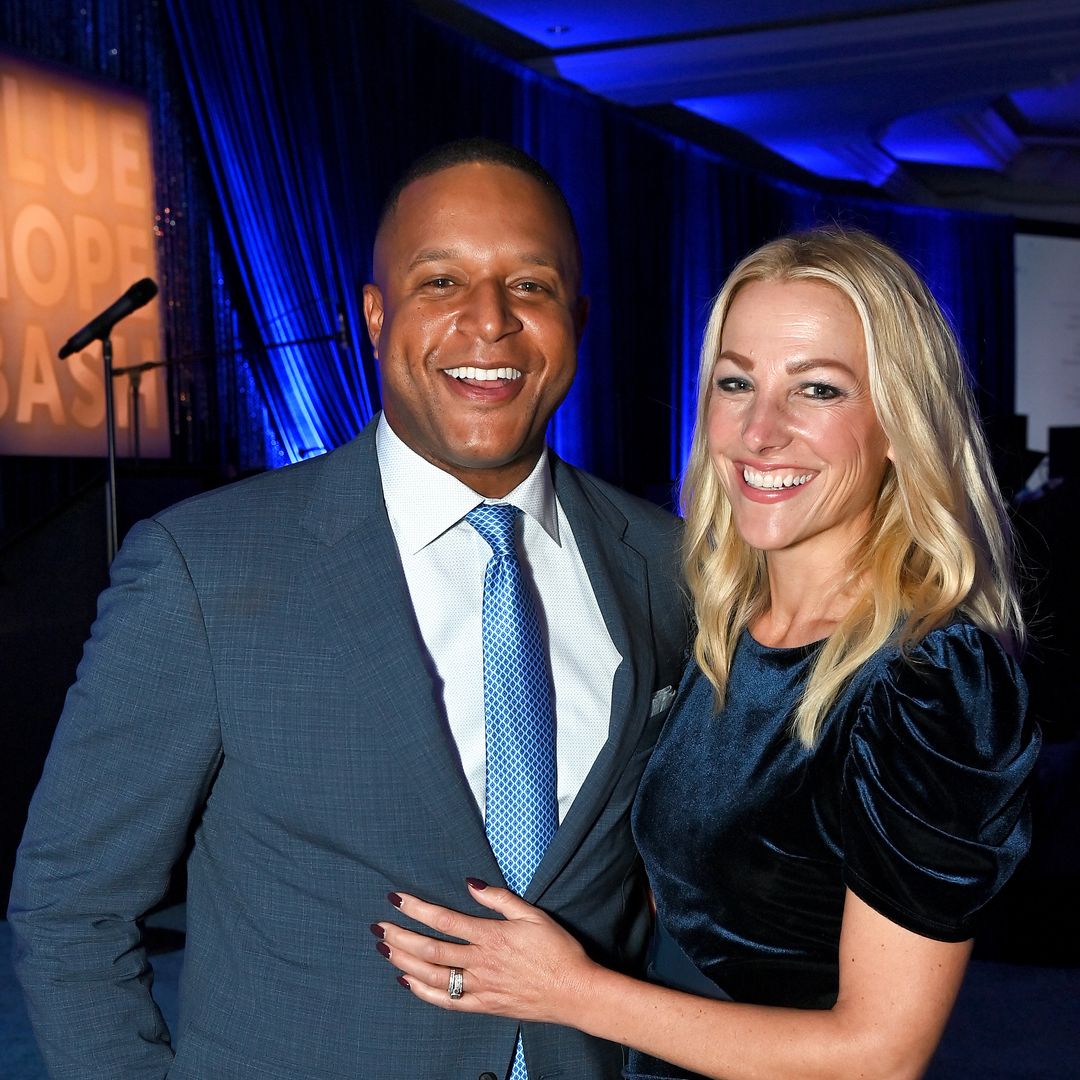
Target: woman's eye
column 731, row 384
column 821, row 391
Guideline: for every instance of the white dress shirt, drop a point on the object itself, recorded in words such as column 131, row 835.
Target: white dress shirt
column 445, row 558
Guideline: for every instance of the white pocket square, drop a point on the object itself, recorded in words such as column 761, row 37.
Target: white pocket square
column 661, row 700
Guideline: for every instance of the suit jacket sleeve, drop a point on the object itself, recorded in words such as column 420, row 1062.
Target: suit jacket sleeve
column 133, row 756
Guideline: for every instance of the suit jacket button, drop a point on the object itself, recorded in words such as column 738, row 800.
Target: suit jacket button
column 487, row 1076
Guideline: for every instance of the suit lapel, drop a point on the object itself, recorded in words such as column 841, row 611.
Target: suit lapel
column 361, row 585
column 617, row 573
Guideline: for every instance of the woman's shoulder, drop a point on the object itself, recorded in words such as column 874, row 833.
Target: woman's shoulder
column 957, row 689
column 960, row 638
column 944, row 645
column 935, row 774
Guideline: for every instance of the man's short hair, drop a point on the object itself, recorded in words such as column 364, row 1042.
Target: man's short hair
column 478, row 149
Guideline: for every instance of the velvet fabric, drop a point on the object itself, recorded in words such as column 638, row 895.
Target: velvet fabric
column 913, row 797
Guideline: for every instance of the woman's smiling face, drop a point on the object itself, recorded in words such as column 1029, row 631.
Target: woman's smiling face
column 792, row 430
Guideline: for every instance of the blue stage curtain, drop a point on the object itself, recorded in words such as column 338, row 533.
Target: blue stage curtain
column 308, row 112
column 300, row 115
column 290, row 244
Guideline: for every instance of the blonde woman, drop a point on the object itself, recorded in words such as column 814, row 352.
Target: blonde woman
column 841, row 785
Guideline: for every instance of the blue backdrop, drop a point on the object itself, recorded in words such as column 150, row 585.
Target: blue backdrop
column 281, row 125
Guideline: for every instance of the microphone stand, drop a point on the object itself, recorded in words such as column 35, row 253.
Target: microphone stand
column 134, row 372
column 99, row 329
column 111, row 531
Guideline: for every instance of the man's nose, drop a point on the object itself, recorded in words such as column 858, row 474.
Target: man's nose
column 487, row 311
column 766, row 425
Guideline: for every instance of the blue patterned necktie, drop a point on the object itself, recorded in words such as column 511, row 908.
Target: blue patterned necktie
column 521, row 807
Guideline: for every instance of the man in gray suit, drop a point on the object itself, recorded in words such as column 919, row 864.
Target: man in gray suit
column 292, row 667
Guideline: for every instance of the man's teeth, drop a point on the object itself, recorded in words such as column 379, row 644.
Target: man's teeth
column 483, row 374
column 773, row 481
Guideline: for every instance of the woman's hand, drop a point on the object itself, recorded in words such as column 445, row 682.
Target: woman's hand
column 524, row 965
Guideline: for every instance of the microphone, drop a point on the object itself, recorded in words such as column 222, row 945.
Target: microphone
column 342, row 330
column 142, row 292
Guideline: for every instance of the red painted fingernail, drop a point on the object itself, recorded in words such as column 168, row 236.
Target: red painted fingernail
column 383, row 949
column 378, row 931
column 476, row 883
column 404, row 982
column 394, row 899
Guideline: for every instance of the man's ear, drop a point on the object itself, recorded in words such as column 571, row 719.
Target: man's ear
column 373, row 315
column 581, row 316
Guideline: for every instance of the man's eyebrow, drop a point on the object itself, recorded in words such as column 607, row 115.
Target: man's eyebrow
column 538, row 260
column 432, row 255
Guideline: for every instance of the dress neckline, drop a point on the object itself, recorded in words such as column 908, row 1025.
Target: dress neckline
column 781, row 650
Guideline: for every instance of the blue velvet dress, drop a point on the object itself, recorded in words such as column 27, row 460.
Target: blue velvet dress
column 913, row 797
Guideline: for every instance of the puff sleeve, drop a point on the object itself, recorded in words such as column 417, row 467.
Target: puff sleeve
column 934, row 812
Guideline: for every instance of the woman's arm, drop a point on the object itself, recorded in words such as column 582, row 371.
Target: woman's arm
column 896, row 991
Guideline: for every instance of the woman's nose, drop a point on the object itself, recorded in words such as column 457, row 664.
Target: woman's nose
column 765, row 424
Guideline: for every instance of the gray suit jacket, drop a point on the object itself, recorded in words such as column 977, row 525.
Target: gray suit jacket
column 255, row 672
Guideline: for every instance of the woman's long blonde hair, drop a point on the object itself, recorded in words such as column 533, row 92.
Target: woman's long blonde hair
column 939, row 540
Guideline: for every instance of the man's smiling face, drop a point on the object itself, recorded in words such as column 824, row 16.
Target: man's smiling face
column 475, row 319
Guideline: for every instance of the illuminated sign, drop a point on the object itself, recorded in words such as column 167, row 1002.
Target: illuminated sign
column 76, row 231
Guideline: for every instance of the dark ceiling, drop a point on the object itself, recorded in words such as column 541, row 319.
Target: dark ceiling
column 967, row 104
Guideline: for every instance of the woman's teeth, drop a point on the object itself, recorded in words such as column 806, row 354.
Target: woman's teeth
column 773, row 481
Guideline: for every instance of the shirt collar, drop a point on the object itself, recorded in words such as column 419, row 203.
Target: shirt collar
column 423, row 501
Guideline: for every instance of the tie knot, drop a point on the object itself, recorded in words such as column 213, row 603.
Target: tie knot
column 495, row 523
